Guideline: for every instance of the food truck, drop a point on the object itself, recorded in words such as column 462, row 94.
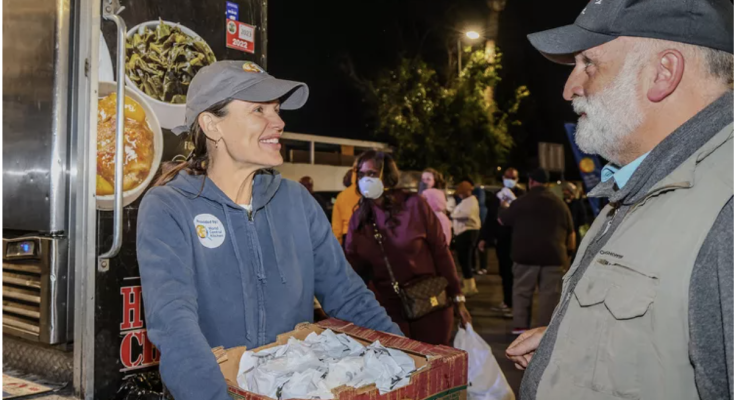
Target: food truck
column 92, row 90
column 72, row 306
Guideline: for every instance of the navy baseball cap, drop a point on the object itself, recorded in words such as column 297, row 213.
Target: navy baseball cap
column 539, row 175
column 707, row 23
column 240, row 80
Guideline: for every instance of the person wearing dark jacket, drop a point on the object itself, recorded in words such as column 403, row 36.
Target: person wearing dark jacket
column 230, row 253
column 413, row 243
column 501, row 236
column 576, row 206
column 308, row 183
column 543, row 236
column 479, row 193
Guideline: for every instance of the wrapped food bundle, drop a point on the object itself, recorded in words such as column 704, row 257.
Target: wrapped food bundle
column 338, row 360
column 310, row 369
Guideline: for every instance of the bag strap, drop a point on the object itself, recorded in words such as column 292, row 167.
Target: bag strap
column 379, row 239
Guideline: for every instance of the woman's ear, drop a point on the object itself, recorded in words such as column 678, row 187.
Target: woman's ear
column 208, row 123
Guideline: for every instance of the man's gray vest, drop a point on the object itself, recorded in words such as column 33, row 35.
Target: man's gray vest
column 625, row 333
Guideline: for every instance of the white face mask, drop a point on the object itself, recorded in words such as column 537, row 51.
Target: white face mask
column 510, row 183
column 371, row 188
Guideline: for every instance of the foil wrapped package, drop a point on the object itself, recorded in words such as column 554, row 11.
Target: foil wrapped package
column 311, row 368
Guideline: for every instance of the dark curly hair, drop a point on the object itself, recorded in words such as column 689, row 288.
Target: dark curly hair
column 347, row 180
column 393, row 198
column 439, row 182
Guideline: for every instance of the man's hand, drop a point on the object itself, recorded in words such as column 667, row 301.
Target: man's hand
column 522, row 349
column 481, row 245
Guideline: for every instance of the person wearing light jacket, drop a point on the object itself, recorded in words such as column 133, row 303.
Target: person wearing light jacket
column 647, row 305
column 438, row 202
column 230, row 253
column 466, row 224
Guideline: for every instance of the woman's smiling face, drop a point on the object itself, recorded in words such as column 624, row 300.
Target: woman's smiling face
column 251, row 133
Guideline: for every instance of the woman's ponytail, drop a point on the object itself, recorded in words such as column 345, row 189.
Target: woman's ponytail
column 198, row 160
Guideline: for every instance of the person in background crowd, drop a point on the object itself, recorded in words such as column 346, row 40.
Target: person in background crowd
column 432, row 179
column 230, row 253
column 466, row 224
column 481, row 196
column 647, row 309
column 414, row 245
column 576, row 206
column 543, row 236
column 308, row 183
column 502, row 236
column 344, row 206
column 438, row 202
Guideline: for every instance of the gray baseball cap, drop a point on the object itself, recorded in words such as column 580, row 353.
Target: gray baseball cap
column 240, row 80
column 706, row 23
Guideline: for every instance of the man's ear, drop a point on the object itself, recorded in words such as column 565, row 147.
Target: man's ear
column 208, row 123
column 669, row 71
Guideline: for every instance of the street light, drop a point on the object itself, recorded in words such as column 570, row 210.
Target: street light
column 472, row 35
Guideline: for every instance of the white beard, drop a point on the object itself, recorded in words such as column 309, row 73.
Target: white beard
column 612, row 114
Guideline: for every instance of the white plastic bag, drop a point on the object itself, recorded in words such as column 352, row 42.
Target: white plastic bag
column 486, row 380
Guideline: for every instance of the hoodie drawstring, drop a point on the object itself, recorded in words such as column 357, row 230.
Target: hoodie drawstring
column 233, row 239
column 276, row 244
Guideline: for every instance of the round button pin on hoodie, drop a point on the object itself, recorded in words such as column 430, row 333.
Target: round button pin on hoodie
column 210, row 230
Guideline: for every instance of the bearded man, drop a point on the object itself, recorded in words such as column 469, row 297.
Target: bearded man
column 647, row 306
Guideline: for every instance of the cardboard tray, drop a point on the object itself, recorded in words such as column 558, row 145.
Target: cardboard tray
column 444, row 375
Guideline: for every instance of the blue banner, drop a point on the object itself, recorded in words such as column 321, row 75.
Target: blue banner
column 589, row 167
column 233, row 11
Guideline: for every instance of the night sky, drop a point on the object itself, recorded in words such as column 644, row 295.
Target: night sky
column 310, row 41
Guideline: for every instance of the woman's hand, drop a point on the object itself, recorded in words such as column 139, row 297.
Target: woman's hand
column 464, row 315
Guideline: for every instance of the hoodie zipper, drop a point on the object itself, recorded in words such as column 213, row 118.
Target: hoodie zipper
column 261, row 284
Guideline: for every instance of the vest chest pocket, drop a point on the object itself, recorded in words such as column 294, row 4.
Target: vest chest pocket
column 610, row 326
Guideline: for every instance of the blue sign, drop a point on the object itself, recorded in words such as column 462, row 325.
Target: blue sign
column 233, row 11
column 589, row 167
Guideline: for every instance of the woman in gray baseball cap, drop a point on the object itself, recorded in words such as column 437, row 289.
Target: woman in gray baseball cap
column 230, row 253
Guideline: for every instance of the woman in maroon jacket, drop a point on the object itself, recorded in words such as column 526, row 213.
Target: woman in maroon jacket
column 414, row 244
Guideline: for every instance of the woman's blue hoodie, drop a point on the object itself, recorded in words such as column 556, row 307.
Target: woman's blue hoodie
column 213, row 275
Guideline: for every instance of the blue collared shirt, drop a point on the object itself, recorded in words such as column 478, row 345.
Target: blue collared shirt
column 621, row 174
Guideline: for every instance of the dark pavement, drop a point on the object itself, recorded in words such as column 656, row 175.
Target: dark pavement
column 491, row 325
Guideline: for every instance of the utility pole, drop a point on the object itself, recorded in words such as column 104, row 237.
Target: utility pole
column 493, row 21
column 491, row 35
column 459, row 57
